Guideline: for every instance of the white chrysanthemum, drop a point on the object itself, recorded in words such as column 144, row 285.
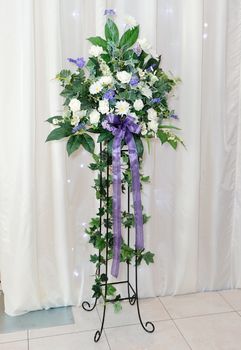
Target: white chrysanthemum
column 146, row 91
column 153, row 125
column 94, row 117
column 75, row 105
column 138, row 105
column 152, row 114
column 143, row 129
column 103, row 107
column 123, row 76
column 106, row 80
column 130, row 21
column 95, row 50
column 122, row 107
column 95, row 88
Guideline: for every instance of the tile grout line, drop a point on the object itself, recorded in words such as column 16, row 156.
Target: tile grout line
column 173, row 321
column 226, row 301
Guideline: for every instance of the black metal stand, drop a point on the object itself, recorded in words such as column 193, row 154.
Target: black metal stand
column 132, row 293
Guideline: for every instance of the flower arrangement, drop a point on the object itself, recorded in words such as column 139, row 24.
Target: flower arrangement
column 121, row 94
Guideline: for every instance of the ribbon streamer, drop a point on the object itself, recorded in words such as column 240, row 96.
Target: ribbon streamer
column 124, row 129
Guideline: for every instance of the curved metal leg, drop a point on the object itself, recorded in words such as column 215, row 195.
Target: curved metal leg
column 148, row 326
column 99, row 332
column 87, row 307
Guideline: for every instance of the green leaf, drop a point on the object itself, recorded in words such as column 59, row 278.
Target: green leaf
column 168, row 127
column 111, row 289
column 64, row 76
column 98, row 41
column 87, row 142
column 103, row 277
column 148, row 257
column 117, row 306
column 110, row 146
column 129, row 37
column 73, row 144
column 111, row 31
column 139, row 146
column 163, row 136
column 94, row 258
column 50, row 120
column 104, row 136
column 59, row 133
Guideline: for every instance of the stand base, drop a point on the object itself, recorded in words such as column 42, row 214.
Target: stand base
column 148, row 326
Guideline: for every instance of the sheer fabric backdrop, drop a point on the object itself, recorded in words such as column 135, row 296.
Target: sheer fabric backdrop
column 195, row 194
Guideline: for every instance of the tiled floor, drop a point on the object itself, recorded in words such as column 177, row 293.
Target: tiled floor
column 202, row 321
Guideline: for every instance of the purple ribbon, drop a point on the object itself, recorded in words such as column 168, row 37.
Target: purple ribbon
column 124, row 129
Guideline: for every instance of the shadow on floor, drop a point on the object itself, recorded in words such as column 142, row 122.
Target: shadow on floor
column 59, row 316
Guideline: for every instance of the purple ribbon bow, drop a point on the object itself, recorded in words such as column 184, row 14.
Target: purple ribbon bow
column 124, row 129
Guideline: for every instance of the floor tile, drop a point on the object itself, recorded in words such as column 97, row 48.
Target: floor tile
column 195, row 304
column 84, row 321
column 233, row 297
column 19, row 345
column 165, row 337
column 151, row 310
column 74, row 341
column 212, row 332
column 13, row 336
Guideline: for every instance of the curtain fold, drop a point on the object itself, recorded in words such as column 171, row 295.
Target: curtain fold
column 194, row 196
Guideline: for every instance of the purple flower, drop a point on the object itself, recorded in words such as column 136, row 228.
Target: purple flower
column 109, row 95
column 156, row 100
column 134, row 80
column 80, row 62
column 109, row 12
column 137, row 49
column 78, row 127
column 151, row 67
column 174, row 116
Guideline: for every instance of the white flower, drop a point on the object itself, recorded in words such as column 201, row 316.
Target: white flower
column 141, row 73
column 122, row 107
column 153, row 125
column 95, row 88
column 106, row 80
column 152, row 114
column 66, row 112
column 95, row 50
column 75, row 119
column 153, row 79
column 146, row 91
column 94, row 117
column 143, row 129
column 104, row 67
column 133, row 115
column 123, row 76
column 144, row 44
column 74, row 105
column 56, row 121
column 103, row 107
column 138, row 105
column 130, row 21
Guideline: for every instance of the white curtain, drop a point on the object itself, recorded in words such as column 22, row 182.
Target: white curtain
column 195, row 194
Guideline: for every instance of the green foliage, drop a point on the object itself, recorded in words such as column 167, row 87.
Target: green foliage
column 50, row 120
column 59, row 133
column 117, row 306
column 97, row 40
column 129, row 37
column 111, row 32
